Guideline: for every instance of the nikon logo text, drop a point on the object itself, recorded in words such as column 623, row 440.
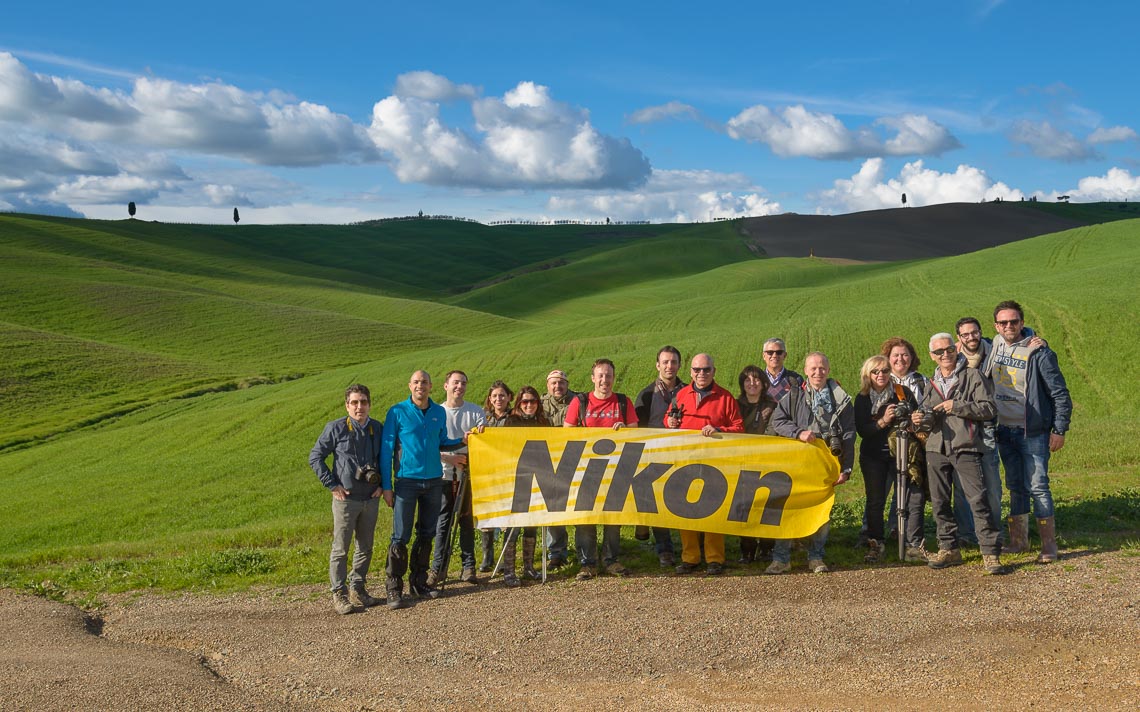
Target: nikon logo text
column 631, row 476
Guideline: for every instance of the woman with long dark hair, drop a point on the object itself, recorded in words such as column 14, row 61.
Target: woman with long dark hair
column 527, row 413
column 756, row 408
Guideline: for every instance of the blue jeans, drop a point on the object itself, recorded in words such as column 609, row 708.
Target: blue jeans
column 782, row 549
column 962, row 513
column 410, row 494
column 1026, row 462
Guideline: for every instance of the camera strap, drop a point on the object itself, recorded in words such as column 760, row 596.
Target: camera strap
column 354, row 437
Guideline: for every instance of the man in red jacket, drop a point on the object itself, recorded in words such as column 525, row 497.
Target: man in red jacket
column 707, row 407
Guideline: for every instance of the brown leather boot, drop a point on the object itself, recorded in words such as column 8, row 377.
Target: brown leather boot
column 528, row 547
column 1018, row 534
column 1048, row 541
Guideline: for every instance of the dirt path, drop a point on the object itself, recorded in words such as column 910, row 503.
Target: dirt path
column 1058, row 637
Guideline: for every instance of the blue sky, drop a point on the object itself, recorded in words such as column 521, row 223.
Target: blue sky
column 338, row 112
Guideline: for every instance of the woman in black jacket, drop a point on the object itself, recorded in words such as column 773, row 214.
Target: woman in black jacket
column 875, row 422
column 527, row 413
column 756, row 408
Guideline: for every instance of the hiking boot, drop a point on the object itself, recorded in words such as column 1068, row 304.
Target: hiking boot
column 686, row 568
column 528, row 545
column 433, row 577
column 993, row 565
column 468, row 575
column 510, row 580
column 425, row 591
column 641, row 532
column 556, row 562
column 816, row 566
column 1045, row 527
column 916, row 553
column 714, row 569
column 874, row 553
column 341, row 604
column 617, row 569
column 943, row 558
column 666, row 559
column 777, row 567
column 1018, row 534
column 361, row 597
column 396, row 599
column 586, row 573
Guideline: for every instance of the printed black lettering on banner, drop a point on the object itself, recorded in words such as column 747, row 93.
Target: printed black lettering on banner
column 779, row 486
column 626, row 477
column 535, row 464
column 592, row 479
column 712, row 493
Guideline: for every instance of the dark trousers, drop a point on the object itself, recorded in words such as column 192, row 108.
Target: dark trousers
column 968, row 466
column 878, row 476
column 463, row 520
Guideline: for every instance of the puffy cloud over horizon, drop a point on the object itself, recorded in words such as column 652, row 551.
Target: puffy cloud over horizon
column 525, row 139
column 671, row 196
column 871, row 189
column 795, row 131
column 1116, row 185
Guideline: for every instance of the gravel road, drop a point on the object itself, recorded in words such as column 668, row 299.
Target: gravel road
column 1057, row 637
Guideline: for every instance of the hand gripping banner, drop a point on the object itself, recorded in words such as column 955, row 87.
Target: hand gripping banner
column 749, row 485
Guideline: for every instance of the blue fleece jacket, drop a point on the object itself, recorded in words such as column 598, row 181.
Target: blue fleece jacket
column 416, row 437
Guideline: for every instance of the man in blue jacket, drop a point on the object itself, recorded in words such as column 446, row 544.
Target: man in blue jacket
column 354, row 482
column 415, row 431
column 1034, row 409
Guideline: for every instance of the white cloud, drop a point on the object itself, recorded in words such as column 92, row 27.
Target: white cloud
column 871, row 189
column 1116, row 185
column 120, row 188
column 1048, row 141
column 794, row 131
column 432, row 87
column 662, row 112
column 1114, row 134
column 524, row 140
column 670, row 196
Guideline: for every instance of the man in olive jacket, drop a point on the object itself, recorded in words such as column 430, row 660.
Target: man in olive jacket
column 954, row 410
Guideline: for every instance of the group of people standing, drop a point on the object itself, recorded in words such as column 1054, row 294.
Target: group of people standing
column 983, row 398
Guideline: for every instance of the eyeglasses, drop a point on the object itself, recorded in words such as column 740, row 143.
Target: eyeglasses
column 359, row 402
column 947, row 350
column 969, row 334
column 528, row 401
column 879, row 371
column 702, row 369
column 1008, row 322
column 780, row 352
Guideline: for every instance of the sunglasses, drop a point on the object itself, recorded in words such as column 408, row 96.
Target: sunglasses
column 947, row 350
column 358, row 402
column 702, row 369
column 1008, row 322
column 879, row 371
column 774, row 353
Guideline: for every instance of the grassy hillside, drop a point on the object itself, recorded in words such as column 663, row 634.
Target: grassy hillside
column 215, row 489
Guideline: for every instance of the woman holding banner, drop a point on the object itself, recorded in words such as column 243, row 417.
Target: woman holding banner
column 875, row 422
column 527, row 413
column 756, row 408
column 497, row 406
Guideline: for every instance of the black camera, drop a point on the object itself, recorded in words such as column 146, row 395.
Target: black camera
column 369, row 474
column 676, row 410
column 902, row 412
column 834, row 440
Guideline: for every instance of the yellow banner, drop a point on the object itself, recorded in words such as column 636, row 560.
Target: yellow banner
column 750, row 485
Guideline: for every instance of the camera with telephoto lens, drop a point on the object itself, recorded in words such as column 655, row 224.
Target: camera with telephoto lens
column 369, row 474
column 834, row 441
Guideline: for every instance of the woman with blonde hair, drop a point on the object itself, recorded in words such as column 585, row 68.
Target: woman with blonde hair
column 876, row 422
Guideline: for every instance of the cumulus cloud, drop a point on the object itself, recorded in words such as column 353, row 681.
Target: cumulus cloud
column 670, row 196
column 871, row 189
column 1116, row 185
column 432, row 87
column 662, row 112
column 1047, row 141
column 794, row 131
column 1114, row 134
column 525, row 139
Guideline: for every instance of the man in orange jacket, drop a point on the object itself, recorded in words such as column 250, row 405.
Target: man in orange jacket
column 705, row 406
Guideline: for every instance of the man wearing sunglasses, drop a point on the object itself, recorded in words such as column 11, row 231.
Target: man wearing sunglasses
column 1033, row 411
column 705, row 406
column 780, row 379
column 953, row 410
column 354, row 482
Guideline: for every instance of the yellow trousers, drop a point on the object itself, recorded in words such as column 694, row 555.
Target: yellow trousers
column 691, row 547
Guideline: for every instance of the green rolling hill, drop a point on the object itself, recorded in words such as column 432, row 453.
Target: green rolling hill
column 165, row 383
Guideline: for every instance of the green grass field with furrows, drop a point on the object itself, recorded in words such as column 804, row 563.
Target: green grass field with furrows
column 161, row 385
